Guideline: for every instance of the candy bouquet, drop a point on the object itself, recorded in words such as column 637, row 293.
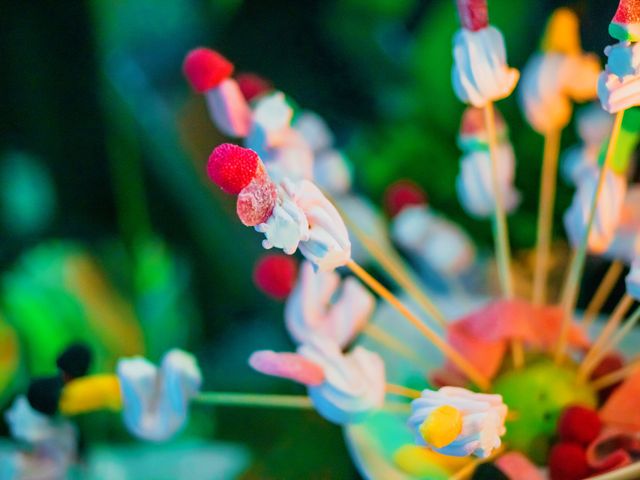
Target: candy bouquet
column 467, row 384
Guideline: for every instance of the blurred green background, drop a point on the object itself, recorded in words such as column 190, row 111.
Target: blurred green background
column 110, row 231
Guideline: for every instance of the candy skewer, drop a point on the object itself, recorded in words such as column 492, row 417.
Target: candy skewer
column 617, row 376
column 462, row 363
column 617, row 338
column 402, row 391
column 500, row 229
column 614, row 320
column 572, row 282
column 261, row 400
column 602, row 293
column 395, row 269
column 545, row 214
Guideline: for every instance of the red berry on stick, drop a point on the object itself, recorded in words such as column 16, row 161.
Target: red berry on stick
column 275, row 275
column 206, row 69
column 232, row 167
column 473, row 14
column 579, row 424
column 401, row 194
column 568, row 461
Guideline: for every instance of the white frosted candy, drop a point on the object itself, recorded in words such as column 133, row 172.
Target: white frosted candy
column 483, row 417
column 432, row 240
column 288, row 225
column 156, row 401
column 328, row 246
column 271, row 122
column 550, row 82
column 607, row 213
column 480, row 71
column 619, row 83
column 314, row 130
column 593, row 124
column 331, row 172
column 292, row 158
column 578, row 161
column 633, row 279
column 354, row 384
column 474, row 182
column 626, row 243
column 32, row 427
column 322, row 304
column 229, row 109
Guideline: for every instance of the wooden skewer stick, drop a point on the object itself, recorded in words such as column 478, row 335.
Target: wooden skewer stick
column 611, row 344
column 385, row 339
column 500, row 229
column 467, row 471
column 548, row 183
column 612, row 324
column 602, row 293
column 576, row 267
column 393, row 266
column 456, row 358
column 403, row 391
column 614, row 377
column 261, row 400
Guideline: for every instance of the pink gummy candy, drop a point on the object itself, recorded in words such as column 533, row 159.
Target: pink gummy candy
column 473, row 14
column 518, row 467
column 256, row 201
column 287, row 365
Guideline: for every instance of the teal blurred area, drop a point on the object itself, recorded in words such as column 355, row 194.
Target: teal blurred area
column 111, row 234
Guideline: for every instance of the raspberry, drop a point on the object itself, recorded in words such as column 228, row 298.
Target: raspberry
column 206, row 69
column 275, row 275
column 232, row 167
column 401, row 194
column 473, row 14
column 579, row 424
column 568, row 461
column 252, row 85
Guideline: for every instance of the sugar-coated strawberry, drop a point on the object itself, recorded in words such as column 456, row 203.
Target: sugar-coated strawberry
column 232, row 167
column 579, row 424
column 474, row 14
column 401, row 194
column 568, row 461
column 625, row 25
column 206, row 69
column 252, row 85
column 257, row 200
column 275, row 274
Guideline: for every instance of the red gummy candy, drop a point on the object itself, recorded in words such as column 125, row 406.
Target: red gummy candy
column 252, row 85
column 257, row 200
column 472, row 122
column 579, row 424
column 568, row 461
column 401, row 194
column 275, row 274
column 473, row 14
column 206, row 69
column 232, row 167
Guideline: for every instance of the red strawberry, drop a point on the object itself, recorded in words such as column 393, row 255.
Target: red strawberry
column 206, row 69
column 252, row 85
column 275, row 274
column 579, row 424
column 473, row 14
column 568, row 461
column 232, row 167
column 401, row 194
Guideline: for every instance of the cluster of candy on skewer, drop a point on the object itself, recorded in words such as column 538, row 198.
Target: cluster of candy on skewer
column 294, row 188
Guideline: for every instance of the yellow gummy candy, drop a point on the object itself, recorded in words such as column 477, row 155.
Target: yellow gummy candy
column 562, row 34
column 89, row 394
column 442, row 426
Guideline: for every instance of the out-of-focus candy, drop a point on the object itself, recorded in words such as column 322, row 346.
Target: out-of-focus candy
column 287, row 365
column 275, row 275
column 621, row 409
